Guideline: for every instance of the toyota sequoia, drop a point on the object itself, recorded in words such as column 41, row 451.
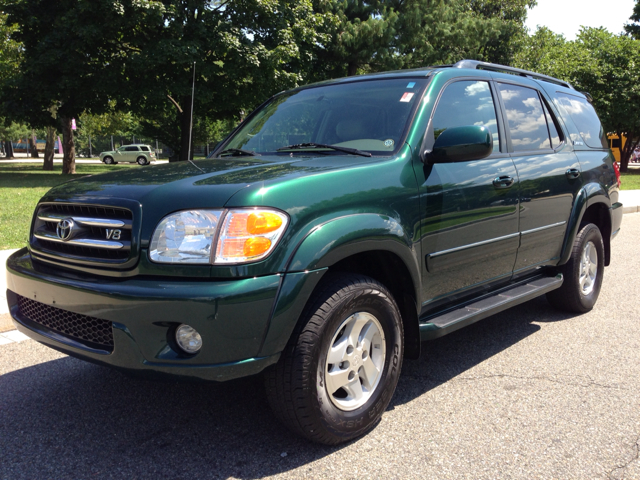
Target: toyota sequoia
column 334, row 230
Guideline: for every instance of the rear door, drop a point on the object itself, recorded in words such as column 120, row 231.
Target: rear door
column 131, row 153
column 469, row 226
column 548, row 171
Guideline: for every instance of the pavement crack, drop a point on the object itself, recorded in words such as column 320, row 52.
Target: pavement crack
column 621, row 468
column 580, row 381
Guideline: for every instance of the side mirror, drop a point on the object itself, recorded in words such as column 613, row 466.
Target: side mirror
column 461, row 144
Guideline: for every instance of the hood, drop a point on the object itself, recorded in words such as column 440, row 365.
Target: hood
column 181, row 185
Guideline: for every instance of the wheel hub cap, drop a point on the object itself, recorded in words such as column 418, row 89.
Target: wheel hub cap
column 355, row 361
column 588, row 268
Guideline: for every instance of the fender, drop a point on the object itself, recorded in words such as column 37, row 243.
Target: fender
column 326, row 245
column 588, row 195
column 342, row 237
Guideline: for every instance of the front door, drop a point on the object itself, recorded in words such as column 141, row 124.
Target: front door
column 469, row 226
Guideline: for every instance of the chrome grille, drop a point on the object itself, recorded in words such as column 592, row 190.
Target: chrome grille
column 84, row 232
column 91, row 331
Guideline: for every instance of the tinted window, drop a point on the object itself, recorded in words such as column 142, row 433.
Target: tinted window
column 131, row 149
column 467, row 103
column 556, row 138
column 615, row 143
column 585, row 118
column 144, row 148
column 527, row 122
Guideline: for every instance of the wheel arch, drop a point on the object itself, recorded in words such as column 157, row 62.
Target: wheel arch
column 591, row 205
column 370, row 244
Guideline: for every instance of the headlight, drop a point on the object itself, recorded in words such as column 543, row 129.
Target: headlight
column 245, row 235
column 249, row 235
column 185, row 237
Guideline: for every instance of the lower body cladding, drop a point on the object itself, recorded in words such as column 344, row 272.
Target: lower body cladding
column 130, row 324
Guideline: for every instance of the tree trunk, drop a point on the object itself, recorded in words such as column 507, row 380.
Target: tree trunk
column 8, row 147
column 69, row 158
column 352, row 69
column 626, row 151
column 49, row 149
column 33, row 147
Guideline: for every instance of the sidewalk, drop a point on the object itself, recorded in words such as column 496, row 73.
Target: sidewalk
column 630, row 200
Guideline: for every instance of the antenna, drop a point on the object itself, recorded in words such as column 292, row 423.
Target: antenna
column 193, row 89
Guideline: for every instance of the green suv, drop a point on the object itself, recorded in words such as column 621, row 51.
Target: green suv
column 339, row 226
column 141, row 154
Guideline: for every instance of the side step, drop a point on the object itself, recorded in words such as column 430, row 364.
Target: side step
column 453, row 320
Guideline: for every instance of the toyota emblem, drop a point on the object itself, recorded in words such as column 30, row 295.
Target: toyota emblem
column 64, row 229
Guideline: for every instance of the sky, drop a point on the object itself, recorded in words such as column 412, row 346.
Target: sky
column 566, row 16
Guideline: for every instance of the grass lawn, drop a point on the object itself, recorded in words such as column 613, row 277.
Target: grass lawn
column 22, row 185
column 630, row 179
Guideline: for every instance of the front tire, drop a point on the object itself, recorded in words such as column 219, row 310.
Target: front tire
column 338, row 373
column 583, row 273
column 108, row 160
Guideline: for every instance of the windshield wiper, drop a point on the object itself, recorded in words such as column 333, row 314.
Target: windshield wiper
column 303, row 146
column 236, row 152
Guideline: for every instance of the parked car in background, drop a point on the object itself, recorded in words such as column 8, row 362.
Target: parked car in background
column 141, row 154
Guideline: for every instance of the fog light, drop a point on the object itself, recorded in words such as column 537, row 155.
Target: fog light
column 188, row 339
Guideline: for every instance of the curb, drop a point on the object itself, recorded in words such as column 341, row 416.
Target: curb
column 632, row 209
column 6, row 323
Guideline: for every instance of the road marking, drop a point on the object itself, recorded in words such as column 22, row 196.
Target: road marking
column 14, row 336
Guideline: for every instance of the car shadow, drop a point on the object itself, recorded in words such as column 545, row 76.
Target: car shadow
column 70, row 419
column 447, row 357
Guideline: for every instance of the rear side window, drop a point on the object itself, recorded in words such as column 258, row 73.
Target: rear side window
column 585, row 118
column 526, row 118
column 556, row 137
column 467, row 103
column 144, row 148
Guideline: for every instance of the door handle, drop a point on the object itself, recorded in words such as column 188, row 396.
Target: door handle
column 503, row 181
column 572, row 173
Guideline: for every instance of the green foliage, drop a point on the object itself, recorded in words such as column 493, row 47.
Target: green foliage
column 598, row 62
column 633, row 28
column 10, row 50
column 381, row 35
column 244, row 51
column 509, row 15
column 14, row 131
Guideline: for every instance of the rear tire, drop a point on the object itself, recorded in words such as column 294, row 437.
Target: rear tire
column 141, row 160
column 338, row 373
column 583, row 273
column 108, row 160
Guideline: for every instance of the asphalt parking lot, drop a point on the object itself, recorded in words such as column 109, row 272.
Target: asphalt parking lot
column 530, row 393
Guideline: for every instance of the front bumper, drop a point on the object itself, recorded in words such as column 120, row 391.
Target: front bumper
column 232, row 317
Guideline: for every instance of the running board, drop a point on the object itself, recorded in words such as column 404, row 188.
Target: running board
column 461, row 317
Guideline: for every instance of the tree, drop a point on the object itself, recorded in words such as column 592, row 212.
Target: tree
column 12, row 132
column 71, row 62
column 243, row 51
column 510, row 16
column 598, row 62
column 633, row 28
column 376, row 35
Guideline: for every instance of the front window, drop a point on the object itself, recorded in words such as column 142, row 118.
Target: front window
column 370, row 116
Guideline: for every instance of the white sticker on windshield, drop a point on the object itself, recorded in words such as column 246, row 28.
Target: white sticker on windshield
column 411, row 84
column 389, row 143
column 406, row 97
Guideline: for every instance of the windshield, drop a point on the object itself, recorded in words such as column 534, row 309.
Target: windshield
column 369, row 115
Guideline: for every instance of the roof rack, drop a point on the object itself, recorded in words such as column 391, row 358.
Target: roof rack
column 478, row 65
